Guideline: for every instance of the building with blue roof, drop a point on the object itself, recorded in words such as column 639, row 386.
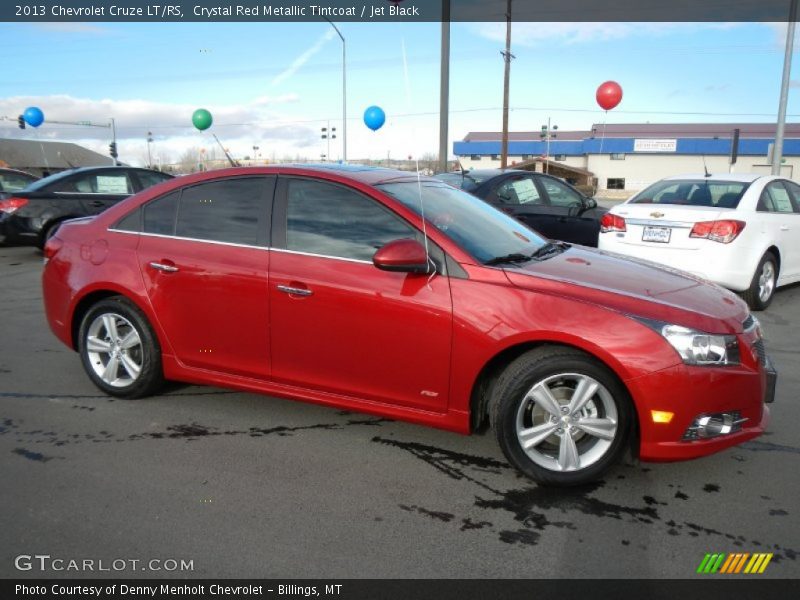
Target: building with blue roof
column 619, row 159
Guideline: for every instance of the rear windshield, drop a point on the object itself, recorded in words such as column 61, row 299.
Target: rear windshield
column 693, row 192
column 14, row 182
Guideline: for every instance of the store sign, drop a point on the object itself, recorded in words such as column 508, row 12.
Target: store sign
column 655, row 145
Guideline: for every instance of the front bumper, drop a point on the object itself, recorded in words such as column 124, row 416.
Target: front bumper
column 687, row 392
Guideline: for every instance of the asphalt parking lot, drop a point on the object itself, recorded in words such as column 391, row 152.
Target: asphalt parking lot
column 252, row 486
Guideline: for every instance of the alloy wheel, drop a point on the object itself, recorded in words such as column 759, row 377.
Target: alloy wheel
column 114, row 349
column 566, row 422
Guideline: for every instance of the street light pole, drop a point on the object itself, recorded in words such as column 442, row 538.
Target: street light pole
column 344, row 90
column 149, row 156
column 777, row 153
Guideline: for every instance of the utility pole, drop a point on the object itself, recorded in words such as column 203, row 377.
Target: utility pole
column 444, row 87
column 149, row 156
column 114, row 139
column 507, row 56
column 777, row 154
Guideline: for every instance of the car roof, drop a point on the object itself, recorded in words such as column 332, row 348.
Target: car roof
column 741, row 177
column 361, row 173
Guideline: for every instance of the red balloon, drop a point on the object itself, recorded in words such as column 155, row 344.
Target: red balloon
column 609, row 94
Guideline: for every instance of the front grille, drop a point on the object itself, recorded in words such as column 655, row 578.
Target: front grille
column 758, row 346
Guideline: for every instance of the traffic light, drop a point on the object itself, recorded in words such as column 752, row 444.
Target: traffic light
column 21, row 122
column 112, row 149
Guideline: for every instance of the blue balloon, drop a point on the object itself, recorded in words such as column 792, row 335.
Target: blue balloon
column 374, row 117
column 33, row 116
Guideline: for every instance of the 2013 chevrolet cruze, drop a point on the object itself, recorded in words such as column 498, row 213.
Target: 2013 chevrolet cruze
column 378, row 291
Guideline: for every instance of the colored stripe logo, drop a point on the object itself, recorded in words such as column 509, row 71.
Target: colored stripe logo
column 735, row 563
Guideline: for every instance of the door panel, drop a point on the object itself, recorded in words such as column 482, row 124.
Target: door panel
column 209, row 284
column 778, row 210
column 215, row 308
column 338, row 323
column 569, row 221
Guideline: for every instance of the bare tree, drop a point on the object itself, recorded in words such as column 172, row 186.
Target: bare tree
column 189, row 160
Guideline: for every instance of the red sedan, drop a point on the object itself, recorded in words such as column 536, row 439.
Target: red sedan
column 373, row 290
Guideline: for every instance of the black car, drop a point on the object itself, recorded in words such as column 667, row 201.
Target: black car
column 12, row 180
column 545, row 203
column 33, row 214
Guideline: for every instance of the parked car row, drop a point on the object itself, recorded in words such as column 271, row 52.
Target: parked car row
column 31, row 213
column 327, row 284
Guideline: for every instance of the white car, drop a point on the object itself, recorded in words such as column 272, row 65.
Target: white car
column 739, row 231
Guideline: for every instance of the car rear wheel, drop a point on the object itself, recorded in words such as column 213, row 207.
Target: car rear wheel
column 560, row 416
column 762, row 287
column 119, row 350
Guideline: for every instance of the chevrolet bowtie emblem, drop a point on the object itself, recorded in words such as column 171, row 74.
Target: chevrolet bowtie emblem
column 657, row 214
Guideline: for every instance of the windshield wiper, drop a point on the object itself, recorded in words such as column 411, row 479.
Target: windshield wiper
column 549, row 249
column 508, row 258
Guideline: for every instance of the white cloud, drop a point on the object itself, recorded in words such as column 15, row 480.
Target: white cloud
column 301, row 60
column 239, row 126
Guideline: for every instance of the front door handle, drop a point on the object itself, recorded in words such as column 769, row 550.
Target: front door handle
column 164, row 268
column 294, row 291
column 784, row 228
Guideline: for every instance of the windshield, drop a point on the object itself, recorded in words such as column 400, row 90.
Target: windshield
column 693, row 192
column 484, row 232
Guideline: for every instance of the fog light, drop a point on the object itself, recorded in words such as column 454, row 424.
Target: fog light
column 714, row 425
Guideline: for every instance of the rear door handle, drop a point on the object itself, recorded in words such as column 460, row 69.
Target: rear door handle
column 294, row 291
column 784, row 228
column 165, row 268
column 97, row 203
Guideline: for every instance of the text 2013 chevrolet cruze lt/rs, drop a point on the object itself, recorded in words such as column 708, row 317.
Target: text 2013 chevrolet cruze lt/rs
column 327, row 284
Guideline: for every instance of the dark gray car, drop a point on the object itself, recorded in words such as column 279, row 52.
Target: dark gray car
column 547, row 204
column 31, row 215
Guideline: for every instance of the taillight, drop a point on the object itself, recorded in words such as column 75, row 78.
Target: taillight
column 10, row 205
column 724, row 231
column 610, row 222
column 51, row 248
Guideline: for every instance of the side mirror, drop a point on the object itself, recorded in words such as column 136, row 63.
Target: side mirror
column 404, row 256
column 590, row 203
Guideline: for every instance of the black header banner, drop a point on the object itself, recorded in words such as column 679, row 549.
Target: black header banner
column 395, row 10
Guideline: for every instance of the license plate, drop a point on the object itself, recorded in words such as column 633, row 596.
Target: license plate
column 656, row 234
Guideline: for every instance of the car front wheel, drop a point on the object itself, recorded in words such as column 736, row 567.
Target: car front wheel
column 560, row 416
column 119, row 350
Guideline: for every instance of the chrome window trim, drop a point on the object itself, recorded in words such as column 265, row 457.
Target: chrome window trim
column 355, row 260
column 188, row 239
column 235, row 245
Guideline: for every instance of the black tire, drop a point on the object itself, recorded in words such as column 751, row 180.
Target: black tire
column 755, row 295
column 561, row 367
column 94, row 337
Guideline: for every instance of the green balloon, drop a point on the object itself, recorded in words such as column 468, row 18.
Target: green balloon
column 202, row 119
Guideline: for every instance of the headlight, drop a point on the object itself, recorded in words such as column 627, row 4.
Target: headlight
column 696, row 347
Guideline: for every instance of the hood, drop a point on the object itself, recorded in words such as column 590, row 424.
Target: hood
column 634, row 287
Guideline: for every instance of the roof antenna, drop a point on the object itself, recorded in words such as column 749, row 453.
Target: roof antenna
column 705, row 168
column 416, row 160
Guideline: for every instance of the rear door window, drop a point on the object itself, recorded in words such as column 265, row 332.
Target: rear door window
column 522, row 190
column 775, row 198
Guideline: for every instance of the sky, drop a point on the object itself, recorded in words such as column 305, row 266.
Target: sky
column 275, row 85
